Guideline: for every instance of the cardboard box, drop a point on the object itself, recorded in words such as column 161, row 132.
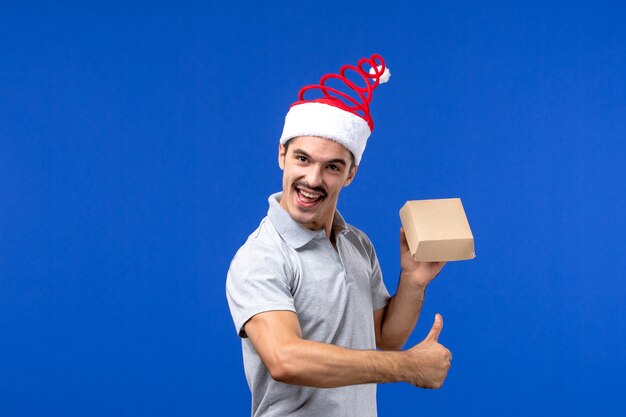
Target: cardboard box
column 437, row 230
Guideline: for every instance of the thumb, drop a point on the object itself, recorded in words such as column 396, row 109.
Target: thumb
column 433, row 335
column 404, row 245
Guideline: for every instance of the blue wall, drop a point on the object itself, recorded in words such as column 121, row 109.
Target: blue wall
column 138, row 147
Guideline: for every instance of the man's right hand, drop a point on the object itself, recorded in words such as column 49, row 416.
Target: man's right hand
column 428, row 361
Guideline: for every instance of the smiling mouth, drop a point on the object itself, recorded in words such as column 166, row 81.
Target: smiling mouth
column 308, row 198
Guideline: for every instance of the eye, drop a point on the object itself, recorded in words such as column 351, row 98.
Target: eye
column 301, row 158
column 333, row 167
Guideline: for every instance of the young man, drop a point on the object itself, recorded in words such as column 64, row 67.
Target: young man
column 306, row 291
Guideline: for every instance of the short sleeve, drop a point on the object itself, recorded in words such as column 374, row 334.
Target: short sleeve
column 258, row 280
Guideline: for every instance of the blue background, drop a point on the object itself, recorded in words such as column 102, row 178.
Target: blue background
column 138, row 147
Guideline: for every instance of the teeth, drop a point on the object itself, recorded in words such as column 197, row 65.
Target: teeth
column 307, row 195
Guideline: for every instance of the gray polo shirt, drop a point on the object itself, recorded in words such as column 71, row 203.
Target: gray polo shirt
column 284, row 266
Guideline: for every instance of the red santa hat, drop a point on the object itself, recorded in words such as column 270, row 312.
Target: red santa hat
column 339, row 115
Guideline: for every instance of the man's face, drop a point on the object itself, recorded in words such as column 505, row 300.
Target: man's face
column 314, row 172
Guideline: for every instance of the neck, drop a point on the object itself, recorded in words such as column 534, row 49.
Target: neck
column 327, row 226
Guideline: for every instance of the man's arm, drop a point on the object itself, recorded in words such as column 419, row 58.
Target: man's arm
column 395, row 322
column 277, row 338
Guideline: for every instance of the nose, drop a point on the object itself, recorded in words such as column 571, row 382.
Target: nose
column 314, row 176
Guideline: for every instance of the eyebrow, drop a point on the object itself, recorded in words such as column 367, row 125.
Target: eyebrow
column 332, row 161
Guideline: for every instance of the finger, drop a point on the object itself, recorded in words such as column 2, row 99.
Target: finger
column 404, row 245
column 433, row 335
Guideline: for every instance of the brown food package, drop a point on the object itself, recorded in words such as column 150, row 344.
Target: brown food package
column 437, row 230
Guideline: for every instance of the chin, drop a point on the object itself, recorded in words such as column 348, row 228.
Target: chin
column 302, row 218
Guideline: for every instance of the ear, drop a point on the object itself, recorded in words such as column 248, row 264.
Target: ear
column 351, row 175
column 281, row 156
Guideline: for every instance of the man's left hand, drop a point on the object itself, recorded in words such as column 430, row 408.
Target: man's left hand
column 419, row 273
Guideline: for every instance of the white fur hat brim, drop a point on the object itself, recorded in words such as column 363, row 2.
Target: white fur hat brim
column 329, row 122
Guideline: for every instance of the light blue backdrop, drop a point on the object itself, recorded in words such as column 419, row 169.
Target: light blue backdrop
column 138, row 147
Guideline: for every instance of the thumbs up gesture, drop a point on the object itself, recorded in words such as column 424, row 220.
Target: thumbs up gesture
column 428, row 361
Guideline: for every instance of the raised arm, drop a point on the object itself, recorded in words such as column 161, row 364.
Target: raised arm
column 394, row 323
column 277, row 337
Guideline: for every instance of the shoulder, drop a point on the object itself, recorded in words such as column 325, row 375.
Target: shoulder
column 359, row 235
column 359, row 239
column 263, row 248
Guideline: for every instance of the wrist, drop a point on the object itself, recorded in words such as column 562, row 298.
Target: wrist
column 404, row 364
column 412, row 279
column 387, row 366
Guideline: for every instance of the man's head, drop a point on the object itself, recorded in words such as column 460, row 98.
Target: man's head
column 323, row 141
column 314, row 172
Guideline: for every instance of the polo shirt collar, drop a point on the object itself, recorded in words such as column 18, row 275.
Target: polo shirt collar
column 293, row 232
